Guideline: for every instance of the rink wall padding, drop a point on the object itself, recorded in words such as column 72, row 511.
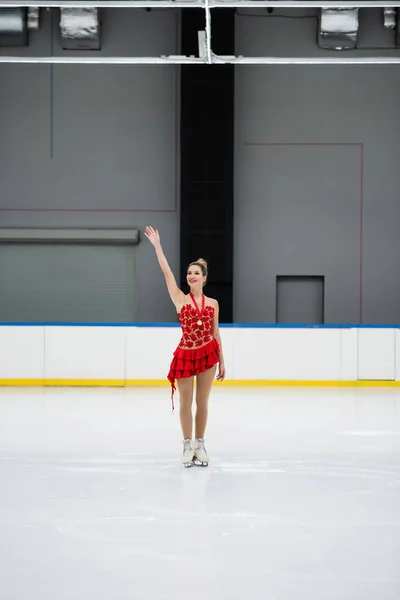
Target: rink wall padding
column 118, row 355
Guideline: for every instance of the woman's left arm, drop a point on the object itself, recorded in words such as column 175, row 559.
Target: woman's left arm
column 217, row 336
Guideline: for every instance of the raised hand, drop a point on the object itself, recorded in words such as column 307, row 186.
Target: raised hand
column 152, row 235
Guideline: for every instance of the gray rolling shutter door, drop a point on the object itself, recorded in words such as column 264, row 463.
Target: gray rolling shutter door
column 67, row 282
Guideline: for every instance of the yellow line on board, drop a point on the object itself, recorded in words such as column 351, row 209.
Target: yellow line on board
column 22, row 382
column 147, row 382
column 310, row 383
column 163, row 383
column 85, row 382
column 63, row 382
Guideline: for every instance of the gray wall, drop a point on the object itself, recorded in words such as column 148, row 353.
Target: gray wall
column 97, row 146
column 297, row 207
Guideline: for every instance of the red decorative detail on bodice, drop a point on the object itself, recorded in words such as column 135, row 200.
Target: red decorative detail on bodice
column 194, row 335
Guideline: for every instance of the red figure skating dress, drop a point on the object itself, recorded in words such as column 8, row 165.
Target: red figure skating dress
column 197, row 350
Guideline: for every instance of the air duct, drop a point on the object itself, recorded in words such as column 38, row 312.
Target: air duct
column 338, row 28
column 13, row 27
column 80, row 29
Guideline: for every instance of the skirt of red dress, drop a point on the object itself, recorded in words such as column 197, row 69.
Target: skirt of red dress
column 188, row 363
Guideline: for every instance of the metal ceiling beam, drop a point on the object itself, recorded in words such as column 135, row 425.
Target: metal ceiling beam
column 217, row 60
column 302, row 4
column 335, row 60
column 200, row 3
column 103, row 3
column 102, row 60
column 208, row 34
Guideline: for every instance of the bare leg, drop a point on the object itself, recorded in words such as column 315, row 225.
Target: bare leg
column 185, row 387
column 204, row 384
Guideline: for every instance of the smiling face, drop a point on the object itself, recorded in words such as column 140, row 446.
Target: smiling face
column 195, row 277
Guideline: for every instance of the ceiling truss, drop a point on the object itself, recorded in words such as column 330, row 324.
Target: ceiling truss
column 200, row 3
column 206, row 55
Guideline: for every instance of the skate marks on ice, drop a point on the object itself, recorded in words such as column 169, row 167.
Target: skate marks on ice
column 294, row 512
column 290, row 526
column 250, row 480
column 300, row 500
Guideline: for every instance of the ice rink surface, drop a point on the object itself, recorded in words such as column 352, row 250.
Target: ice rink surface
column 301, row 500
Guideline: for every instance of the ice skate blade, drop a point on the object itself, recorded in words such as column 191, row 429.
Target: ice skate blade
column 187, row 465
column 199, row 463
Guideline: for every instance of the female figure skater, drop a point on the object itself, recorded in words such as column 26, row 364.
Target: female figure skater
column 198, row 352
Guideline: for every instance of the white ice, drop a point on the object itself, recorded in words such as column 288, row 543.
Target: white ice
column 301, row 500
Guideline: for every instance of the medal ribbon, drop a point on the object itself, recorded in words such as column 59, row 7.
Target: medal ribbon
column 199, row 322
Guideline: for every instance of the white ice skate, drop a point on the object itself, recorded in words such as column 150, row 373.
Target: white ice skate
column 188, row 453
column 200, row 454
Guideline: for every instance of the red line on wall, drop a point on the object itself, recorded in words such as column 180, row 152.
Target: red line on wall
column 361, row 228
column 360, row 145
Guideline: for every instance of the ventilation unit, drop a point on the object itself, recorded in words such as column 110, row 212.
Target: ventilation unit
column 389, row 17
column 13, row 27
column 33, row 18
column 80, row 29
column 338, row 28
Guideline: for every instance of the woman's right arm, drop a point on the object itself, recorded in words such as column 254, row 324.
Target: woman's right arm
column 177, row 296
